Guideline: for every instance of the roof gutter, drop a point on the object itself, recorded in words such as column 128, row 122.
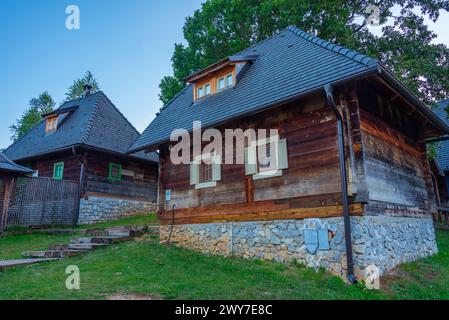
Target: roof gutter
column 328, row 89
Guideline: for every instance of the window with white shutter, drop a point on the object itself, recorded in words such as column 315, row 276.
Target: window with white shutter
column 266, row 158
column 205, row 174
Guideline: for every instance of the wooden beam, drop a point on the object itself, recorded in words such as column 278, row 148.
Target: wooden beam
column 261, row 213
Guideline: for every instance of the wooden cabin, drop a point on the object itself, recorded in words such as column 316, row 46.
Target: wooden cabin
column 86, row 140
column 440, row 169
column 304, row 87
column 8, row 172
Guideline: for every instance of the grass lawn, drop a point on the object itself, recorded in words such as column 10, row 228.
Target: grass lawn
column 145, row 267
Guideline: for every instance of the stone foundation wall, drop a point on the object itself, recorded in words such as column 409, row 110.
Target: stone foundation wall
column 380, row 240
column 100, row 209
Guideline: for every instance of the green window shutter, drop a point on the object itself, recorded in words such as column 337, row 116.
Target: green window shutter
column 115, row 172
column 194, row 173
column 250, row 160
column 282, row 154
column 58, row 171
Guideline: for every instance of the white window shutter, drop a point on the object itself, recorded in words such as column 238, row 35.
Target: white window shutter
column 250, row 160
column 282, row 154
column 216, row 171
column 194, row 173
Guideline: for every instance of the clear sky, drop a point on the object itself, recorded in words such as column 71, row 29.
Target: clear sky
column 127, row 44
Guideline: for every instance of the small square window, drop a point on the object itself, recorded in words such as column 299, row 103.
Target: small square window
column 221, row 84
column 58, row 171
column 229, row 80
column 207, row 89
column 115, row 172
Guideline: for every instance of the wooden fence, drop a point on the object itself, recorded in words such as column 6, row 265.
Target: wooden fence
column 32, row 201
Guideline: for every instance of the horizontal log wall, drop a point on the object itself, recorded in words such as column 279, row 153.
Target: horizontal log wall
column 310, row 187
column 396, row 169
column 138, row 182
column 45, row 166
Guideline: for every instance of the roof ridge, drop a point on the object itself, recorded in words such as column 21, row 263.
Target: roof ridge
column 349, row 53
column 92, row 119
column 121, row 113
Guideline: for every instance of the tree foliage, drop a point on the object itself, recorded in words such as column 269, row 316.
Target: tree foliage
column 76, row 90
column 32, row 115
column 224, row 27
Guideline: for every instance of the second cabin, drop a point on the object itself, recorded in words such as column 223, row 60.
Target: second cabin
column 86, row 140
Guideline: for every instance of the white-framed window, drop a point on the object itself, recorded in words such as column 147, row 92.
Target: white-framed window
column 205, row 171
column 207, row 89
column 221, row 85
column 200, row 92
column 225, row 82
column 266, row 158
column 229, row 80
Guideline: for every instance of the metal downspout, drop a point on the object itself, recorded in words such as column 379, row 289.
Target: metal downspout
column 328, row 89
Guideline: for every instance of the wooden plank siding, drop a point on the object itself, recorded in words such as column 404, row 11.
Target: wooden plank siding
column 310, row 187
column 72, row 166
column 397, row 170
column 138, row 181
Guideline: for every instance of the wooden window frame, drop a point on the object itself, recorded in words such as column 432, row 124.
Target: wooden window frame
column 55, row 166
column 113, row 165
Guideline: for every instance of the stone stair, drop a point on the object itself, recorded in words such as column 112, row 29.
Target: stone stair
column 95, row 239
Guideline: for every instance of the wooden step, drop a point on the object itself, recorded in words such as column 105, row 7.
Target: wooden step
column 101, row 239
column 56, row 247
column 86, row 246
column 58, row 254
column 8, row 264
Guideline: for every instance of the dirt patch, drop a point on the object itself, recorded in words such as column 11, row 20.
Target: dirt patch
column 132, row 296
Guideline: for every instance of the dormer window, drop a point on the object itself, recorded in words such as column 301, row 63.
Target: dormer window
column 229, row 80
column 51, row 124
column 219, row 76
column 203, row 91
column 225, row 82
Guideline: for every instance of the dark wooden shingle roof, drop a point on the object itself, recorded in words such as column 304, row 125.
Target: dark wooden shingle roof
column 92, row 121
column 8, row 166
column 286, row 66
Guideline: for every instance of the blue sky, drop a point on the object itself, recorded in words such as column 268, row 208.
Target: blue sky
column 126, row 44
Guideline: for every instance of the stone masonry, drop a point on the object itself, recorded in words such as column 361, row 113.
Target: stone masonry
column 380, row 240
column 99, row 209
